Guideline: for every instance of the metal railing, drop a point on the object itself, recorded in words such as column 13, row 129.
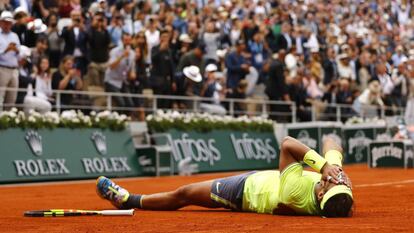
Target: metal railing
column 280, row 110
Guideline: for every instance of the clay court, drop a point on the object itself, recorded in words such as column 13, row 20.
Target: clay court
column 384, row 203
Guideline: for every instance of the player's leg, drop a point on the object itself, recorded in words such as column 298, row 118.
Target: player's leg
column 192, row 194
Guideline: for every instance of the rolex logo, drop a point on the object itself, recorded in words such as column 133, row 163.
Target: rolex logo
column 34, row 140
column 99, row 141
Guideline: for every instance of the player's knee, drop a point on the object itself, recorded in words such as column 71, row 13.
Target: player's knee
column 182, row 193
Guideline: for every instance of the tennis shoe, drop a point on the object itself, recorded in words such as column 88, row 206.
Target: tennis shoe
column 112, row 192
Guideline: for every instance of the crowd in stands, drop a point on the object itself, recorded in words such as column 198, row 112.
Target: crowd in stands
column 311, row 52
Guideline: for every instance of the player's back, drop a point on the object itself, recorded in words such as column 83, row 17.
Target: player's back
column 261, row 190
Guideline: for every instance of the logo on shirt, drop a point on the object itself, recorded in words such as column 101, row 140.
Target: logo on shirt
column 217, row 187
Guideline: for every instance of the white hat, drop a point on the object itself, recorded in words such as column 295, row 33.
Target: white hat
column 193, row 73
column 211, row 68
column 221, row 53
column 20, row 9
column 185, row 38
column 6, row 16
column 25, row 52
column 314, row 49
column 38, row 25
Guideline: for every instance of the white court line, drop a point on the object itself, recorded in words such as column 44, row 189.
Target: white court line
column 384, row 183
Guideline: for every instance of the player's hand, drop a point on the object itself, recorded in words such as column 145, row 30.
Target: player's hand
column 345, row 180
column 330, row 173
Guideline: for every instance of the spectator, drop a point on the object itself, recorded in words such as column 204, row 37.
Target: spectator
column 40, row 101
column 121, row 68
column 276, row 86
column 25, row 71
column 370, row 96
column 239, row 93
column 258, row 51
column 363, row 72
column 298, row 93
column 76, row 41
column 211, row 89
column 99, row 41
column 344, row 68
column 387, row 86
column 115, row 29
column 398, row 56
column 9, row 45
column 54, row 40
column 21, row 18
column 400, row 81
column 39, row 51
column 43, row 77
column 284, row 40
column 36, row 29
column 152, row 34
column 162, row 72
column 237, row 65
column 185, row 45
column 66, row 7
column 67, row 77
column 330, row 67
column 192, row 58
column 211, row 38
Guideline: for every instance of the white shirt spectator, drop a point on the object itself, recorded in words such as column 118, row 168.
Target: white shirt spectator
column 43, row 87
column 397, row 58
column 386, row 83
column 153, row 39
column 346, row 71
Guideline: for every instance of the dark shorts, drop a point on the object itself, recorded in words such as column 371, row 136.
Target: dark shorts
column 228, row 192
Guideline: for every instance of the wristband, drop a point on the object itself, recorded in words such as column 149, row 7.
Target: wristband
column 334, row 157
column 314, row 160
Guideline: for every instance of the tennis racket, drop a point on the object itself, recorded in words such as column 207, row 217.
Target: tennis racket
column 75, row 212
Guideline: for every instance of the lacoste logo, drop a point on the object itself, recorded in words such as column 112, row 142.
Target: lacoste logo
column 34, row 140
column 99, row 141
column 144, row 161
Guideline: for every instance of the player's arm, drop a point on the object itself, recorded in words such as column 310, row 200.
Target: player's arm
column 293, row 151
column 333, row 154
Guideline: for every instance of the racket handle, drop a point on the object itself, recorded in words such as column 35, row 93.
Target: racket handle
column 117, row 212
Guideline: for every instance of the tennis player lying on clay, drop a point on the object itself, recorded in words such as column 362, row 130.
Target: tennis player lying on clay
column 292, row 191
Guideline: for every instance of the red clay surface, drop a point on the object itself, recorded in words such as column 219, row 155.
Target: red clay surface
column 384, row 203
